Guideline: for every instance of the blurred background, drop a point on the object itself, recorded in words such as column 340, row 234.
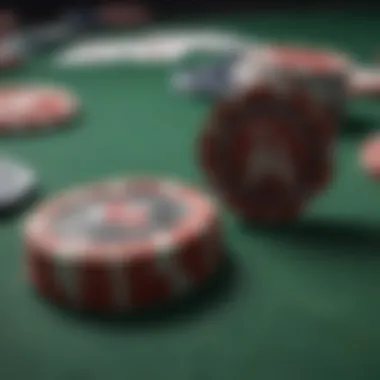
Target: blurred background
column 38, row 10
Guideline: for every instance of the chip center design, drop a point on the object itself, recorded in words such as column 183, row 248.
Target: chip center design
column 106, row 220
column 136, row 215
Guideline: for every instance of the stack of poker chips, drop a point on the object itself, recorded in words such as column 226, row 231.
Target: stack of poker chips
column 123, row 244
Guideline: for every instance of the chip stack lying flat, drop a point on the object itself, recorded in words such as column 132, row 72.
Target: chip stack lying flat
column 29, row 108
column 324, row 74
column 265, row 152
column 123, row 244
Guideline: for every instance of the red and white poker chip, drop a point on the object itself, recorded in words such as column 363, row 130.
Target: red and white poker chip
column 265, row 154
column 122, row 244
column 322, row 73
column 309, row 60
column 370, row 157
column 32, row 108
column 264, row 62
column 365, row 82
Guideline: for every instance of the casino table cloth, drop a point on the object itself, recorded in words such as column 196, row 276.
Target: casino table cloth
column 297, row 302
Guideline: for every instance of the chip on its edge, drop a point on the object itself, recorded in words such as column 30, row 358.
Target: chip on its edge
column 265, row 154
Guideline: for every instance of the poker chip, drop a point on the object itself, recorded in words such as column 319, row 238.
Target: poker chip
column 265, row 154
column 33, row 108
column 323, row 74
column 370, row 156
column 307, row 59
column 18, row 185
column 122, row 244
column 365, row 82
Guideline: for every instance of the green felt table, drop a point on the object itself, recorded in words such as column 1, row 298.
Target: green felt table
column 299, row 303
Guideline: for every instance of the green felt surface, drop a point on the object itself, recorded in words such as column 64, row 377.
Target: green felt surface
column 297, row 303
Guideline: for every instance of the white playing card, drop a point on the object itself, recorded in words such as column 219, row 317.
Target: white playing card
column 155, row 47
